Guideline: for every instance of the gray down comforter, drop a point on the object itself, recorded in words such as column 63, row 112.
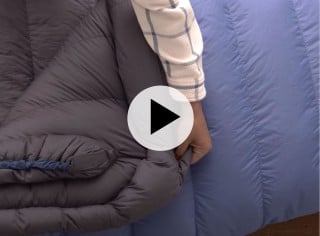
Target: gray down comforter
column 68, row 70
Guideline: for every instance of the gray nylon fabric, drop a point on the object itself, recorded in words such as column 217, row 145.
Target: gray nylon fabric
column 68, row 70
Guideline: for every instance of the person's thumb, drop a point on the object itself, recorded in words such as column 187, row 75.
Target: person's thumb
column 181, row 150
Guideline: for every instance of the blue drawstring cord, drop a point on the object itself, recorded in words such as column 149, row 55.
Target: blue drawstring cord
column 39, row 164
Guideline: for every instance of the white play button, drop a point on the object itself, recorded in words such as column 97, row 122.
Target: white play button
column 160, row 118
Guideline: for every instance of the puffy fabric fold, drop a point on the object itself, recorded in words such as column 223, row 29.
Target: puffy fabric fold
column 67, row 159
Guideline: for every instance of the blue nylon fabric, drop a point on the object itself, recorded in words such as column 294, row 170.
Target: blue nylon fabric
column 262, row 68
column 43, row 165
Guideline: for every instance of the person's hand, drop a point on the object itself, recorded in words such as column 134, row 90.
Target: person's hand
column 199, row 138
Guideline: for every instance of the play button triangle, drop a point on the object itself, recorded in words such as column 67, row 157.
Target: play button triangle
column 160, row 116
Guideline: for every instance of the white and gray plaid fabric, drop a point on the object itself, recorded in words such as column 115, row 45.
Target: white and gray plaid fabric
column 172, row 31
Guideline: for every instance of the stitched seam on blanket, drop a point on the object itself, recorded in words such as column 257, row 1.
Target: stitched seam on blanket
column 194, row 203
column 253, row 119
column 300, row 30
column 28, row 34
column 63, row 102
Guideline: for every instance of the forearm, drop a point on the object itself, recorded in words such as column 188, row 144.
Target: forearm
column 172, row 31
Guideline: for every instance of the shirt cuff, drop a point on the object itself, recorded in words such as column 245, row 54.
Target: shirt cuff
column 193, row 94
column 188, row 79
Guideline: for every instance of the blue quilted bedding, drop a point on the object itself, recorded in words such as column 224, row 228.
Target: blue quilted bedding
column 262, row 70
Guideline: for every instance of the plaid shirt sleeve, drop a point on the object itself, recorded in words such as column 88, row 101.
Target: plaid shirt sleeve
column 172, row 31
